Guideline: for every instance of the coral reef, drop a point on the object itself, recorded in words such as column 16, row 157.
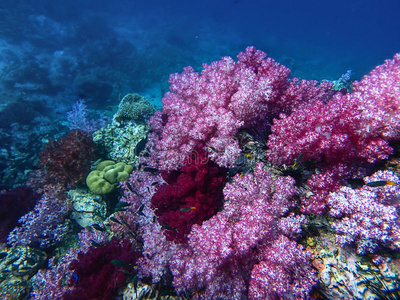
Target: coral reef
column 133, row 107
column 13, row 205
column 206, row 110
column 88, row 209
column 43, row 226
column 17, row 266
column 107, row 176
column 142, row 291
column 78, row 118
column 156, row 250
column 119, row 142
column 283, row 273
column 53, row 282
column 345, row 275
column 102, row 270
column 67, row 160
column 223, row 251
column 190, row 196
column 21, row 143
column 217, row 202
column 345, row 133
column 368, row 216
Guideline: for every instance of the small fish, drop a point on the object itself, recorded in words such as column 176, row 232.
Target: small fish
column 150, row 169
column 297, row 160
column 95, row 244
column 137, row 194
column 121, row 263
column 98, row 227
column 132, row 233
column 185, row 209
column 165, row 226
column 233, row 171
column 121, row 206
column 115, row 220
column 130, row 279
column 141, row 165
column 240, row 160
column 140, row 146
column 380, row 183
column 135, row 283
column 124, row 222
column 212, row 148
column 129, row 187
column 75, row 278
column 30, row 260
column 246, row 170
column 248, row 155
column 140, row 211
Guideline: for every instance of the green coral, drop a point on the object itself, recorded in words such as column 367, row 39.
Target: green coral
column 105, row 178
column 134, row 107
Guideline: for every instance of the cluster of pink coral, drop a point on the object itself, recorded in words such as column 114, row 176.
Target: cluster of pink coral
column 345, row 133
column 367, row 217
column 247, row 248
column 156, row 250
column 222, row 252
column 206, row 110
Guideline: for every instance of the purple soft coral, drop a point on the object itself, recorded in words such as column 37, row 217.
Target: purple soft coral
column 223, row 250
column 43, row 226
column 283, row 273
column 368, row 216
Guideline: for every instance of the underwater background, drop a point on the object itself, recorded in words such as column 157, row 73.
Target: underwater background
column 113, row 172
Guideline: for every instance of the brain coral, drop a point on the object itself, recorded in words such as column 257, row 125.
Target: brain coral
column 134, row 107
column 105, row 178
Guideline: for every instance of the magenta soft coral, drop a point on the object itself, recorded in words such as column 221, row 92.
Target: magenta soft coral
column 208, row 109
column 222, row 252
column 190, row 196
column 345, row 133
column 97, row 274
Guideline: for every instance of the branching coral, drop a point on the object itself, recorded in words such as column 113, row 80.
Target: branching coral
column 67, row 160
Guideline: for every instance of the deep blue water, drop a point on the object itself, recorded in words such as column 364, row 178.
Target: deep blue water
column 53, row 53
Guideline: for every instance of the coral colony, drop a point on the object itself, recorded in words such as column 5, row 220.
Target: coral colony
column 250, row 184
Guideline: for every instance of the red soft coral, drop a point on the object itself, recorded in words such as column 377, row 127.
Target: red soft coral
column 192, row 195
column 67, row 160
column 97, row 275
